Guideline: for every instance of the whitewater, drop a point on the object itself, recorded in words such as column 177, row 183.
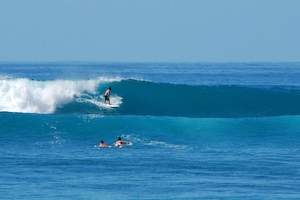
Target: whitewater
column 33, row 96
column 199, row 130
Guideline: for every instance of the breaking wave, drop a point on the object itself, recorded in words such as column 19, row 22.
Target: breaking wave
column 138, row 97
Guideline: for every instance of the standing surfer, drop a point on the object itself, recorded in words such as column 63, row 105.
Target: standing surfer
column 107, row 93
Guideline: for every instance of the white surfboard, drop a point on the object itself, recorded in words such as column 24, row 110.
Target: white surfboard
column 112, row 105
column 101, row 104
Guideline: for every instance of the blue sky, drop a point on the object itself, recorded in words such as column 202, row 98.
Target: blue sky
column 150, row 30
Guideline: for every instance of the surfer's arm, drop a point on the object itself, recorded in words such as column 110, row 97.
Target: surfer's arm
column 126, row 142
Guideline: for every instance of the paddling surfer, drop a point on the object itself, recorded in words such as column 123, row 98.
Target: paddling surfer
column 102, row 144
column 120, row 142
column 107, row 93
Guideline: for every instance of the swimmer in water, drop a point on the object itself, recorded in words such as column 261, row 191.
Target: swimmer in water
column 120, row 142
column 102, row 144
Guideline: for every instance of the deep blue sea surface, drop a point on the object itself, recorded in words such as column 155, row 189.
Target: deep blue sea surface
column 198, row 131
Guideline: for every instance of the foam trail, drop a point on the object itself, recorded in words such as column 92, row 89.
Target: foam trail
column 32, row 96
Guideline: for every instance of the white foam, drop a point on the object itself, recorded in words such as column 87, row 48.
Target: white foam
column 32, row 96
column 106, row 79
column 4, row 77
column 166, row 145
column 134, row 138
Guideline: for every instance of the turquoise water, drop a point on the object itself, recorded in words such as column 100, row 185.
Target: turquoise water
column 199, row 131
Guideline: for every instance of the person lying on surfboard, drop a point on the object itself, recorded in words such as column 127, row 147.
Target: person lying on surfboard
column 120, row 142
column 107, row 93
column 102, row 144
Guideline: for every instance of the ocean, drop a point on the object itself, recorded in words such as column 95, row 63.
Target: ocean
column 198, row 130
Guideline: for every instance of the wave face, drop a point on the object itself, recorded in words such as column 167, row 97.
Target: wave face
column 137, row 97
column 147, row 98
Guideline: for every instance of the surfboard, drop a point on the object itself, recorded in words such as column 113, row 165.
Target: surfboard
column 101, row 104
column 112, row 105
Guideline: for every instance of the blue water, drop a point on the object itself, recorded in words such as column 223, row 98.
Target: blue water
column 199, row 131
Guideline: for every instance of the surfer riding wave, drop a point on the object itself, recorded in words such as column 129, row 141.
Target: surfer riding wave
column 107, row 93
